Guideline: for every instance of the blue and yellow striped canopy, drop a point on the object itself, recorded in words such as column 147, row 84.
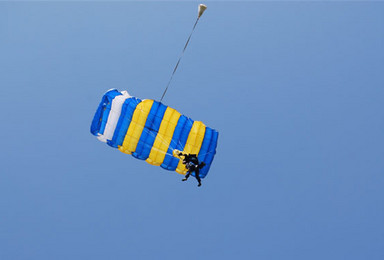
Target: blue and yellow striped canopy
column 150, row 131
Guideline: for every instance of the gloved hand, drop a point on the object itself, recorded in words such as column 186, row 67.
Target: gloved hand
column 176, row 153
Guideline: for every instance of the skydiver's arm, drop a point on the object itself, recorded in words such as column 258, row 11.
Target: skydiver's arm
column 201, row 165
column 180, row 155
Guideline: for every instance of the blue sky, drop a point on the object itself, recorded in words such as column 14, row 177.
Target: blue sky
column 294, row 88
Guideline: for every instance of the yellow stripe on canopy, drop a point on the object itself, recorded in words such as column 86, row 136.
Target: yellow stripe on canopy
column 136, row 126
column 164, row 137
column 193, row 144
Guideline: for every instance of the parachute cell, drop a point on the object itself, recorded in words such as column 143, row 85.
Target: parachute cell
column 151, row 131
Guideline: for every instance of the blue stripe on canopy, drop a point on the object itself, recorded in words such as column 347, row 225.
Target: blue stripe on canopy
column 210, row 154
column 205, row 145
column 148, row 136
column 101, row 116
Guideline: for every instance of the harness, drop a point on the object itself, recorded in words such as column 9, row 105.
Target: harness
column 191, row 162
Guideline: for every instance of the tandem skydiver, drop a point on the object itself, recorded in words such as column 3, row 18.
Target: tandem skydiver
column 192, row 164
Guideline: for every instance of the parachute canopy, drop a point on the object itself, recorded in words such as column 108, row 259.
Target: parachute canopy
column 151, row 131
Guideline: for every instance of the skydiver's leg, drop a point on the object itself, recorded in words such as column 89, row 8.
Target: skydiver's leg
column 187, row 176
column 197, row 175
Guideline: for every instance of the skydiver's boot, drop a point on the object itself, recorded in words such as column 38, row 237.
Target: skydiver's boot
column 186, row 176
column 198, row 179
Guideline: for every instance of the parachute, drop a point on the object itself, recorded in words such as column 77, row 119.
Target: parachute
column 152, row 131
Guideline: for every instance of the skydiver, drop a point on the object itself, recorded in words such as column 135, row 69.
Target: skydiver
column 192, row 164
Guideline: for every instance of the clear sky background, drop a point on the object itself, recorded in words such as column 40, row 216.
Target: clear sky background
column 295, row 89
